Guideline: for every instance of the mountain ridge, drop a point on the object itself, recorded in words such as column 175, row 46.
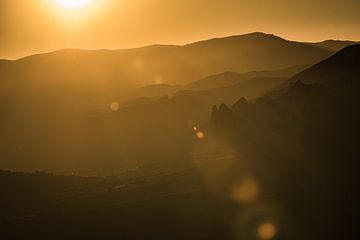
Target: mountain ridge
column 236, row 36
column 225, row 79
column 340, row 65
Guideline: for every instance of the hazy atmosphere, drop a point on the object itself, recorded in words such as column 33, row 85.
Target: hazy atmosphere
column 28, row 27
column 179, row 119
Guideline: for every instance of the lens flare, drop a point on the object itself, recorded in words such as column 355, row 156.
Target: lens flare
column 114, row 106
column 200, row 135
column 246, row 191
column 266, row 231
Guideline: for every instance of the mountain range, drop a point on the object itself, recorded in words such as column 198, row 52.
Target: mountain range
column 286, row 159
column 170, row 64
column 63, row 98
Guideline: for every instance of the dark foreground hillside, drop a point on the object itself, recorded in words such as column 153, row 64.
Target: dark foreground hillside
column 307, row 139
column 160, row 205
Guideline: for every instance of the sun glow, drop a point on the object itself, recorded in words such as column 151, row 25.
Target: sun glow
column 73, row 4
column 76, row 13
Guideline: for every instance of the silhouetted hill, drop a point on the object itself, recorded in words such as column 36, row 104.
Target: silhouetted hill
column 282, row 73
column 249, row 89
column 334, row 45
column 307, row 136
column 333, row 82
column 211, row 82
column 153, row 129
column 258, row 46
column 216, row 81
column 150, row 91
column 231, row 78
column 343, row 65
column 160, row 130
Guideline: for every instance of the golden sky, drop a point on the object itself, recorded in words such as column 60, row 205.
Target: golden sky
column 32, row 26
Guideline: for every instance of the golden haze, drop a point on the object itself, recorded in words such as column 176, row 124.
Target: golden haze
column 122, row 24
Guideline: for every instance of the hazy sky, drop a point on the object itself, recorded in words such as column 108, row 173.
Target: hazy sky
column 31, row 26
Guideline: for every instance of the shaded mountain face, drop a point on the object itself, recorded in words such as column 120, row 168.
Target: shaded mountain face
column 221, row 80
column 308, row 138
column 343, row 65
column 149, row 91
column 87, row 80
column 227, row 79
column 249, row 89
column 155, row 130
column 57, row 136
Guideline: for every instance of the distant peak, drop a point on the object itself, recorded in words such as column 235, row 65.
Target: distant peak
column 262, row 34
column 338, row 41
column 247, row 36
column 239, row 104
column 241, row 101
column 258, row 35
column 224, row 108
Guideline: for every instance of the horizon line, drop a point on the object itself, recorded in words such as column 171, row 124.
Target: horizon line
column 174, row 45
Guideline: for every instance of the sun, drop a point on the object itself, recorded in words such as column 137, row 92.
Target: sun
column 75, row 13
column 73, row 4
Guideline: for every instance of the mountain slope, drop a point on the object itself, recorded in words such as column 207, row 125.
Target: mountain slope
column 247, row 88
column 306, row 137
column 221, row 80
column 56, row 107
column 88, row 80
column 334, row 45
column 215, row 81
column 342, row 65
column 173, row 64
